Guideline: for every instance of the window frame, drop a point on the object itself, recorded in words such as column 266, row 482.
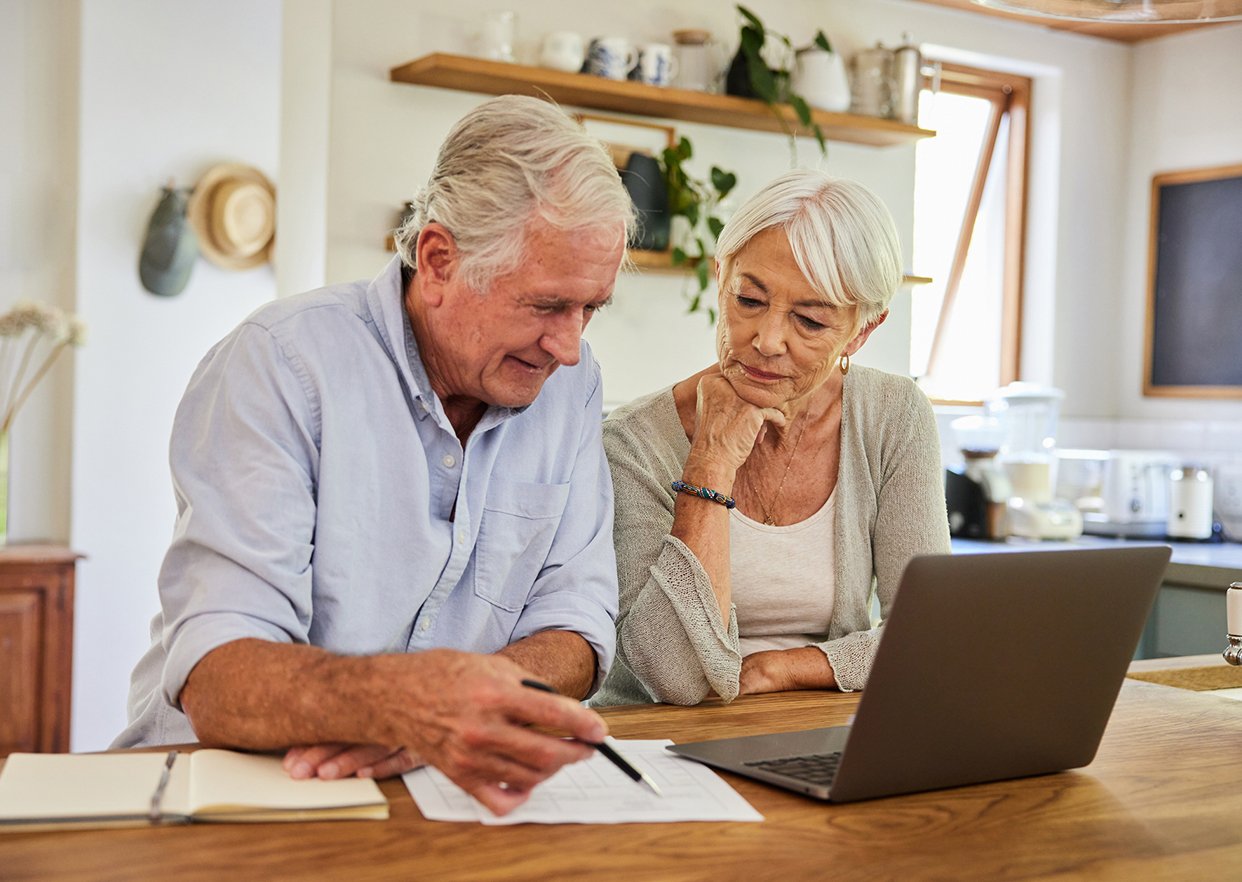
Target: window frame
column 1009, row 95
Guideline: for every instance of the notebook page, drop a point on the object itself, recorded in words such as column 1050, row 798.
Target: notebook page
column 227, row 781
column 36, row 786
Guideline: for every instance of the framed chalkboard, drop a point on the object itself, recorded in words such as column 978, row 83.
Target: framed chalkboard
column 1194, row 291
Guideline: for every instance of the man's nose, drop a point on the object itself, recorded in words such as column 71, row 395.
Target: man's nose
column 563, row 340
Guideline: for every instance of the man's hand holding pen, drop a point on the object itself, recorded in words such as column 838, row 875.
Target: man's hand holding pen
column 470, row 717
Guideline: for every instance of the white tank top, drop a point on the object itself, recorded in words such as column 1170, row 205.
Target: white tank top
column 784, row 580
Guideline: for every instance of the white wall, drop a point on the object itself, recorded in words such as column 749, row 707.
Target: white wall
column 38, row 184
column 166, row 90
column 1187, row 114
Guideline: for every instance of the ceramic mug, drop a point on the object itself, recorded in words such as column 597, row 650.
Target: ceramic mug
column 611, row 57
column 656, row 65
column 562, row 50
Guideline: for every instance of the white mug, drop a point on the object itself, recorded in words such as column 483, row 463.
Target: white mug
column 562, row 50
column 611, row 57
column 656, row 65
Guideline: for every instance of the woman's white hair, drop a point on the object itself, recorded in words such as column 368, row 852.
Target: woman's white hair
column 508, row 161
column 843, row 237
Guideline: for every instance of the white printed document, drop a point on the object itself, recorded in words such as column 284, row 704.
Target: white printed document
column 597, row 792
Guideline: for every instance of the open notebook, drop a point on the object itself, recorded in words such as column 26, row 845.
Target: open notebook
column 54, row 791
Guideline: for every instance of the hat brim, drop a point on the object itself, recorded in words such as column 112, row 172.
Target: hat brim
column 199, row 216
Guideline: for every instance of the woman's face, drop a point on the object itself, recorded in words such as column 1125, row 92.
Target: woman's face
column 777, row 339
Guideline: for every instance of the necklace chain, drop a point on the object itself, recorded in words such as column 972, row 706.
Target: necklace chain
column 768, row 519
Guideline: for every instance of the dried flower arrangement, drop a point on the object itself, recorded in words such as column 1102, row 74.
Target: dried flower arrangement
column 32, row 335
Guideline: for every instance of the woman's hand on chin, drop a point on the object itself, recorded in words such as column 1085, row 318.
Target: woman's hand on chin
column 726, row 427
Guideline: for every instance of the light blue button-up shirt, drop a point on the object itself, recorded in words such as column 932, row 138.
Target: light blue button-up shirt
column 323, row 498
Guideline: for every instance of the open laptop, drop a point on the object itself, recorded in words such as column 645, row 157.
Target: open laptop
column 991, row 666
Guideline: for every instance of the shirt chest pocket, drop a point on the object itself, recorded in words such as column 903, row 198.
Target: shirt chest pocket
column 515, row 534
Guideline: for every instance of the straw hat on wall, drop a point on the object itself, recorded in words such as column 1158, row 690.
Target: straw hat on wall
column 233, row 212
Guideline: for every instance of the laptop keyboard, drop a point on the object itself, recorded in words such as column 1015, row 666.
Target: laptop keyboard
column 817, row 768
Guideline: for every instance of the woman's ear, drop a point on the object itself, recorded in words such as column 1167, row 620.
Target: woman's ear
column 861, row 337
column 436, row 257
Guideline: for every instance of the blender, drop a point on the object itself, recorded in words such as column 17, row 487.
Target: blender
column 1028, row 415
column 977, row 493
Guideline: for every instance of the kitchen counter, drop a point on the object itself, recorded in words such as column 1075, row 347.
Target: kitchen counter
column 1200, row 564
column 1188, row 616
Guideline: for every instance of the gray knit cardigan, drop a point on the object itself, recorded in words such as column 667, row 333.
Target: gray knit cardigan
column 671, row 644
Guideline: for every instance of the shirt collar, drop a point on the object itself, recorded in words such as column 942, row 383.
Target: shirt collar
column 387, row 302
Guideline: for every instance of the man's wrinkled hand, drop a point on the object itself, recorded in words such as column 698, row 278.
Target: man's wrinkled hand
column 470, row 717
column 344, row 760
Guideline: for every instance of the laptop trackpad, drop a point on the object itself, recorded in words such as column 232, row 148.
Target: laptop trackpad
column 748, row 749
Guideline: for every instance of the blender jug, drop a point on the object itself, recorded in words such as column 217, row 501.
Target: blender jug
column 1028, row 414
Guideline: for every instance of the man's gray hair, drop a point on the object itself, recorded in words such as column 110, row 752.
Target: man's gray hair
column 510, row 160
column 843, row 237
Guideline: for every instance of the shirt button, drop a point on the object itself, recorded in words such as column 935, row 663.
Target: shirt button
column 449, row 461
column 426, row 625
column 461, row 537
column 422, row 405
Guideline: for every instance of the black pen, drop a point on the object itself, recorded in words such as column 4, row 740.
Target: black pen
column 609, row 752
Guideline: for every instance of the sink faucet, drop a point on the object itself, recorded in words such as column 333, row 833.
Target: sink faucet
column 1233, row 652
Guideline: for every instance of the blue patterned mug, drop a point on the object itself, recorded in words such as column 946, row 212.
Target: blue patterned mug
column 611, row 57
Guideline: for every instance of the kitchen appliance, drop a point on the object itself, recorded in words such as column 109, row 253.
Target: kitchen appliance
column 1190, row 503
column 1028, row 415
column 977, row 493
column 1133, row 495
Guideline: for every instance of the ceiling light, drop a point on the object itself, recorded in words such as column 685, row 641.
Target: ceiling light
column 1137, row 11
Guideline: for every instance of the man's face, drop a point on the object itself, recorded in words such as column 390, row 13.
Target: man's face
column 498, row 347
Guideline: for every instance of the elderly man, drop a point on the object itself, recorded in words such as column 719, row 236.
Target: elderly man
column 391, row 509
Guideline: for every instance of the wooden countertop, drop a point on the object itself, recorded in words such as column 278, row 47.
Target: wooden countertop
column 1161, row 801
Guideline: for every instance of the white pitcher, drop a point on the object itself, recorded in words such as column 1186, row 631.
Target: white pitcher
column 820, row 78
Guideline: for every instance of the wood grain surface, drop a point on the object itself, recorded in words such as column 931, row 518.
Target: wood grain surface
column 1162, row 800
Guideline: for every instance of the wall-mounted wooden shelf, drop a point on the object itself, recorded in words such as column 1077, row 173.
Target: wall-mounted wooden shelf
column 662, row 262
column 581, row 90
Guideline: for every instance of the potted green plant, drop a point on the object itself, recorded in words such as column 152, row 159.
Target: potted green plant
column 697, row 202
column 751, row 76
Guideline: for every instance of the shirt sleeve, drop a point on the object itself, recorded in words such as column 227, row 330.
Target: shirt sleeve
column 576, row 589
column 670, row 637
column 244, row 455
column 910, row 519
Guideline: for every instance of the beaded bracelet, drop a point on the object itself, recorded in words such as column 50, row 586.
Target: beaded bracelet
column 704, row 493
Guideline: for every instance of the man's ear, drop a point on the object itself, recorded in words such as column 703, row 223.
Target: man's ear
column 436, row 257
column 861, row 337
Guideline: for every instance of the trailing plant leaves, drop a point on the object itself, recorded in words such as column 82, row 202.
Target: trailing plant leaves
column 701, row 271
column 723, row 181
column 798, row 103
column 715, row 224
column 750, row 17
column 822, row 42
column 679, row 257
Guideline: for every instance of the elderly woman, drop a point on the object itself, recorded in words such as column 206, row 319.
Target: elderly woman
column 760, row 502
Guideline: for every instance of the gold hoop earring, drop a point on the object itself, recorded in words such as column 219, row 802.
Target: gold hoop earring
column 845, row 364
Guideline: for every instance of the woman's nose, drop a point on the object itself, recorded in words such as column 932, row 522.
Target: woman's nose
column 770, row 335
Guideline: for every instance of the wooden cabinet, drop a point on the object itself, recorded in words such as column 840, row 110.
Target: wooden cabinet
column 36, row 647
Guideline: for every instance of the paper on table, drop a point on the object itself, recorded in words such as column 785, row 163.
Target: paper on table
column 596, row 792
